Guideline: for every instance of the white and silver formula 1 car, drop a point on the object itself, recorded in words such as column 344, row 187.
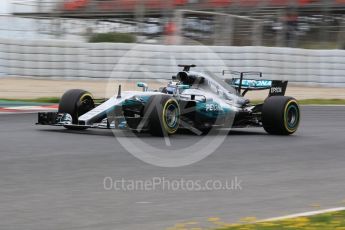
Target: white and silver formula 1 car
column 191, row 100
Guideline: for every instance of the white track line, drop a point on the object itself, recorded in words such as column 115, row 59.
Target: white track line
column 316, row 105
column 312, row 213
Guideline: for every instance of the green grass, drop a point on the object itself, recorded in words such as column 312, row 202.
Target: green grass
column 319, row 45
column 37, row 100
column 314, row 102
column 322, row 102
column 327, row 221
column 113, row 38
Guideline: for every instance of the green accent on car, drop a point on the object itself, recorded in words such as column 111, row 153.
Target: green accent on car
column 183, row 87
column 141, row 85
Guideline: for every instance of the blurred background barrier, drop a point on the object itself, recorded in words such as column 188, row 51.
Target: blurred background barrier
column 78, row 60
column 315, row 24
column 296, row 40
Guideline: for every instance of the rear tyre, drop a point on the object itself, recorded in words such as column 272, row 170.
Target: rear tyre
column 76, row 102
column 163, row 113
column 281, row 115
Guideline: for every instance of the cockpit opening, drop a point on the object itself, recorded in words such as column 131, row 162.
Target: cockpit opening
column 190, row 79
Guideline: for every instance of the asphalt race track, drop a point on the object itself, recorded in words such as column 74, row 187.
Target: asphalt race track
column 53, row 179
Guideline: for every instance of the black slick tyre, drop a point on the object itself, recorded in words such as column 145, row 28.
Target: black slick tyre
column 281, row 115
column 163, row 115
column 76, row 102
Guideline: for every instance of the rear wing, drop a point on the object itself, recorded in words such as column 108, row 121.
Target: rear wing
column 276, row 87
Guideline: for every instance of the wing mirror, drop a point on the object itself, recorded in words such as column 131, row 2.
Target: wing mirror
column 143, row 85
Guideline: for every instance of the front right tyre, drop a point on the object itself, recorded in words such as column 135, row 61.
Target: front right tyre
column 163, row 113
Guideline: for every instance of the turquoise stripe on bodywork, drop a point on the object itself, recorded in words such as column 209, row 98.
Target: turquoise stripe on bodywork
column 254, row 84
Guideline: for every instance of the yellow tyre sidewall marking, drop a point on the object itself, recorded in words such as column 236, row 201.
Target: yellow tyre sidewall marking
column 166, row 127
column 83, row 97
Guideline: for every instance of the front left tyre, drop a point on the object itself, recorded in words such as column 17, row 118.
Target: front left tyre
column 76, row 102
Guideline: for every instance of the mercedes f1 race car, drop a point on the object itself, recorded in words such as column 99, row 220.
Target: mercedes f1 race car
column 191, row 100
